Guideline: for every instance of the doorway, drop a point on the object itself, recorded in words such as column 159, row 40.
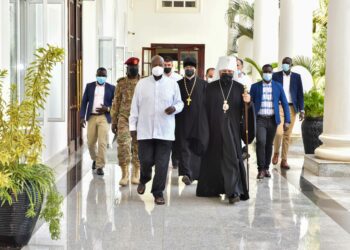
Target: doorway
column 75, row 74
column 178, row 52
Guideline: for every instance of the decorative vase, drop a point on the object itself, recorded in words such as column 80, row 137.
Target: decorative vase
column 311, row 129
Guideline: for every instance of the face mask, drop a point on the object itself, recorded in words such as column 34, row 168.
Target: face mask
column 167, row 70
column 285, row 67
column 189, row 72
column 267, row 77
column 157, row 71
column 133, row 72
column 226, row 77
column 210, row 79
column 238, row 72
column 101, row 79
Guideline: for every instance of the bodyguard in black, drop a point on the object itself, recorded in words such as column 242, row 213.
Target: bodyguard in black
column 192, row 90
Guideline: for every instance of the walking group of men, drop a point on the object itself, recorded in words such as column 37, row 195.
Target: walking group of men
column 201, row 124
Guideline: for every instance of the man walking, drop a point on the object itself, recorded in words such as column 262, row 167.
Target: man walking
column 192, row 90
column 266, row 96
column 95, row 109
column 152, row 121
column 127, row 148
column 293, row 88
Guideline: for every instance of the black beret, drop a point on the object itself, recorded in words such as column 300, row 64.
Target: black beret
column 190, row 61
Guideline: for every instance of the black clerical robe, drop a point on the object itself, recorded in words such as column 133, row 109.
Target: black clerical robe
column 189, row 163
column 222, row 170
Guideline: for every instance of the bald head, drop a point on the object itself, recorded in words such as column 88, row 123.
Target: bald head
column 157, row 61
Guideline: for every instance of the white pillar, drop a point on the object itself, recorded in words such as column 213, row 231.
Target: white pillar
column 266, row 23
column 336, row 127
column 295, row 28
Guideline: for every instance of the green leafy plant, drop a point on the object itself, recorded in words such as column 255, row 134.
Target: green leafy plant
column 314, row 103
column 21, row 142
column 245, row 12
column 257, row 66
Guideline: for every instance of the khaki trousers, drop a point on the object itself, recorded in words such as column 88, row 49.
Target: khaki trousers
column 97, row 132
column 284, row 137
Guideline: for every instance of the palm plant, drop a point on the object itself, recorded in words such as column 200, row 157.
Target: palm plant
column 21, row 143
column 244, row 11
column 258, row 67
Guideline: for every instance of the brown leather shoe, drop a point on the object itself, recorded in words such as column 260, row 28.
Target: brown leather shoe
column 275, row 158
column 267, row 173
column 285, row 165
column 159, row 200
column 261, row 175
column 141, row 188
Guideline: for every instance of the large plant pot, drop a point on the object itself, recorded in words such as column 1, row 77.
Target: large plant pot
column 15, row 228
column 311, row 129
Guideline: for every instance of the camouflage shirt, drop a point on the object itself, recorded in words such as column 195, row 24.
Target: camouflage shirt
column 122, row 98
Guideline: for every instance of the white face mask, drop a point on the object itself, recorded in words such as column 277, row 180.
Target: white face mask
column 157, row 71
column 210, row 79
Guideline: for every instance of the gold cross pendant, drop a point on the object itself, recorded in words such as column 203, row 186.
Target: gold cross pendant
column 189, row 101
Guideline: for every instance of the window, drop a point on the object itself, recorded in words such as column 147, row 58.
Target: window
column 33, row 24
column 178, row 6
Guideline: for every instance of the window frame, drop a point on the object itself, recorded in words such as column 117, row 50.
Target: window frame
column 184, row 9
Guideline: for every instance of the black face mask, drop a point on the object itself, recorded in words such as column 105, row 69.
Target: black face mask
column 189, row 72
column 167, row 70
column 226, row 77
column 133, row 72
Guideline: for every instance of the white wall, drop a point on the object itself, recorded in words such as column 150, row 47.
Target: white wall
column 5, row 45
column 206, row 27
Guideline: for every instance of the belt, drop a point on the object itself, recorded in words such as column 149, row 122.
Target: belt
column 290, row 104
column 266, row 116
column 95, row 114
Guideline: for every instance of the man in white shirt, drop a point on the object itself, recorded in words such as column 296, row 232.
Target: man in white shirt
column 156, row 101
column 242, row 77
column 95, row 109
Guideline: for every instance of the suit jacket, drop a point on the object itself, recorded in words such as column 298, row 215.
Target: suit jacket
column 88, row 100
column 278, row 95
column 296, row 89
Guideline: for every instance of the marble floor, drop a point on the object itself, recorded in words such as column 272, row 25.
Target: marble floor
column 282, row 213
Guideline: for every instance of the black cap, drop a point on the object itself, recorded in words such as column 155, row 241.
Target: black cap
column 190, row 61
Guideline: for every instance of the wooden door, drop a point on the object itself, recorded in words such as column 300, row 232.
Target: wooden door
column 147, row 54
column 75, row 74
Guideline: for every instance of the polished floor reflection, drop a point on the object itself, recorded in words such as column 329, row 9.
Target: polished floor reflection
column 100, row 215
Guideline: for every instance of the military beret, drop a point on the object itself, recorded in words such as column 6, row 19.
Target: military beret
column 190, row 61
column 132, row 61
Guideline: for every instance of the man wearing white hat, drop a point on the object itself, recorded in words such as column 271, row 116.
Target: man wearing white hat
column 222, row 169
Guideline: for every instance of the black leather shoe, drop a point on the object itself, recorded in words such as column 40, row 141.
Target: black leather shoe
column 233, row 199
column 99, row 171
column 159, row 200
column 267, row 173
column 141, row 188
column 186, row 180
column 93, row 165
column 261, row 175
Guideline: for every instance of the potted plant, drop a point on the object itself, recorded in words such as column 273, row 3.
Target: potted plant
column 27, row 185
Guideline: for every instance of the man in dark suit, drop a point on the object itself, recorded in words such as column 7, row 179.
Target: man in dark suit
column 266, row 96
column 95, row 109
column 293, row 88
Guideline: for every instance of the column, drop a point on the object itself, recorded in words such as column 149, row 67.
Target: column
column 336, row 127
column 295, row 37
column 266, row 23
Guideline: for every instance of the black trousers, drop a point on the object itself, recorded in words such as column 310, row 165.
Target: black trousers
column 265, row 134
column 189, row 163
column 174, row 155
column 154, row 153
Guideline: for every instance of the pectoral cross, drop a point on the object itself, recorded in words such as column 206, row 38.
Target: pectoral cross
column 189, row 101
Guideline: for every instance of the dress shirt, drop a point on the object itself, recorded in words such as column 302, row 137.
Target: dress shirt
column 243, row 79
column 150, row 100
column 267, row 101
column 286, row 87
column 99, row 97
column 175, row 76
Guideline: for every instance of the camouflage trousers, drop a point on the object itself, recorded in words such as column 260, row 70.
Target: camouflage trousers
column 127, row 148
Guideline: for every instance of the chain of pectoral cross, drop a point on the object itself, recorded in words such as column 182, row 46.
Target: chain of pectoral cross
column 189, row 94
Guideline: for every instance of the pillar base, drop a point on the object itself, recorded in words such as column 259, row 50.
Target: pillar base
column 335, row 148
column 326, row 168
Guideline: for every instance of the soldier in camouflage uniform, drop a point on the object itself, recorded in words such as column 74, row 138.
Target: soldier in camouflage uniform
column 127, row 148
